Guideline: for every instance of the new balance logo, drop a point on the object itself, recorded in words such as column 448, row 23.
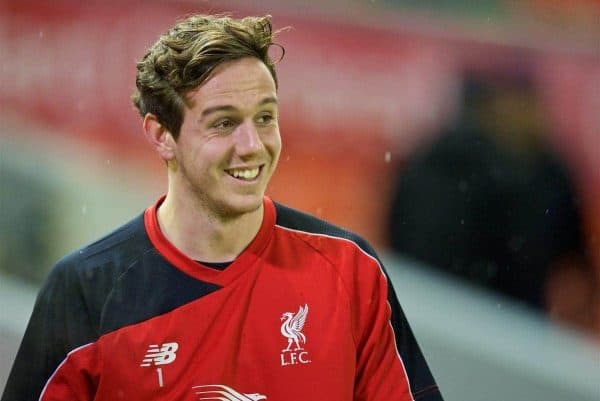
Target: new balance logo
column 160, row 355
column 224, row 393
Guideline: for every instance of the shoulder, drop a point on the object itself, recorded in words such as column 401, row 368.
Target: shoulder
column 75, row 291
column 111, row 254
column 323, row 235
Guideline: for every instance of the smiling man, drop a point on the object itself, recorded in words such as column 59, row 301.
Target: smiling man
column 220, row 162
column 216, row 292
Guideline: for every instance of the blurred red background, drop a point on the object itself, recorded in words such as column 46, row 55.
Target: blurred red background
column 358, row 92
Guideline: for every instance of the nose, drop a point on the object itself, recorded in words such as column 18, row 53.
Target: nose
column 247, row 139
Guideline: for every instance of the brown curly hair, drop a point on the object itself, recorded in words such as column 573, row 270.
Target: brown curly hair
column 184, row 57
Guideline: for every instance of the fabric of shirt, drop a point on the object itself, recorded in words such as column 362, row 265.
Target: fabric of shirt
column 306, row 312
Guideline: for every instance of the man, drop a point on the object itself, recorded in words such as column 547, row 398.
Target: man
column 216, row 292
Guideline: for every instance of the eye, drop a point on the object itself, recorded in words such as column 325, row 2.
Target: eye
column 265, row 118
column 224, row 124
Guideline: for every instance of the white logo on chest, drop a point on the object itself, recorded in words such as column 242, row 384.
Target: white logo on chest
column 221, row 392
column 291, row 329
column 160, row 355
column 157, row 355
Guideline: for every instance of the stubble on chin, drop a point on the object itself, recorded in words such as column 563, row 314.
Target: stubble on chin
column 226, row 209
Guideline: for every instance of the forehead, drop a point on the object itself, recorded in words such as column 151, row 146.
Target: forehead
column 238, row 83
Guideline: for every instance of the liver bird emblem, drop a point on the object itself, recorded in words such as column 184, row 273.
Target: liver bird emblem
column 291, row 328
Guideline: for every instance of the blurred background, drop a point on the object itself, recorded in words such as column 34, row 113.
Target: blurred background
column 462, row 139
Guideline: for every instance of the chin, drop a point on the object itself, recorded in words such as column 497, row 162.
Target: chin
column 240, row 205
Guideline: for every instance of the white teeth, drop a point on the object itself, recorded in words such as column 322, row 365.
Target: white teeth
column 248, row 174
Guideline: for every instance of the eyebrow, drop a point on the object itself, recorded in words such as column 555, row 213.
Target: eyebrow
column 214, row 109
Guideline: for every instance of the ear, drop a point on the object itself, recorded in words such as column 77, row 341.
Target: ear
column 160, row 137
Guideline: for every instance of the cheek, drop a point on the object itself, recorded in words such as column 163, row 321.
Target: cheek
column 195, row 152
column 273, row 143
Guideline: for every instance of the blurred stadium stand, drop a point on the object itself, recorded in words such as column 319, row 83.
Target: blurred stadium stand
column 363, row 84
column 485, row 347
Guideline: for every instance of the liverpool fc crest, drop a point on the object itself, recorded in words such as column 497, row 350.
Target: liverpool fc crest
column 291, row 328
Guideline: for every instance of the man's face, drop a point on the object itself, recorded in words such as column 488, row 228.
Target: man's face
column 229, row 142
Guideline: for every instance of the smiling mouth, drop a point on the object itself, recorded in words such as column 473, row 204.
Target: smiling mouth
column 245, row 174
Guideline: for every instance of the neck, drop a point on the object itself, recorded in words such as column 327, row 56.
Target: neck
column 204, row 236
